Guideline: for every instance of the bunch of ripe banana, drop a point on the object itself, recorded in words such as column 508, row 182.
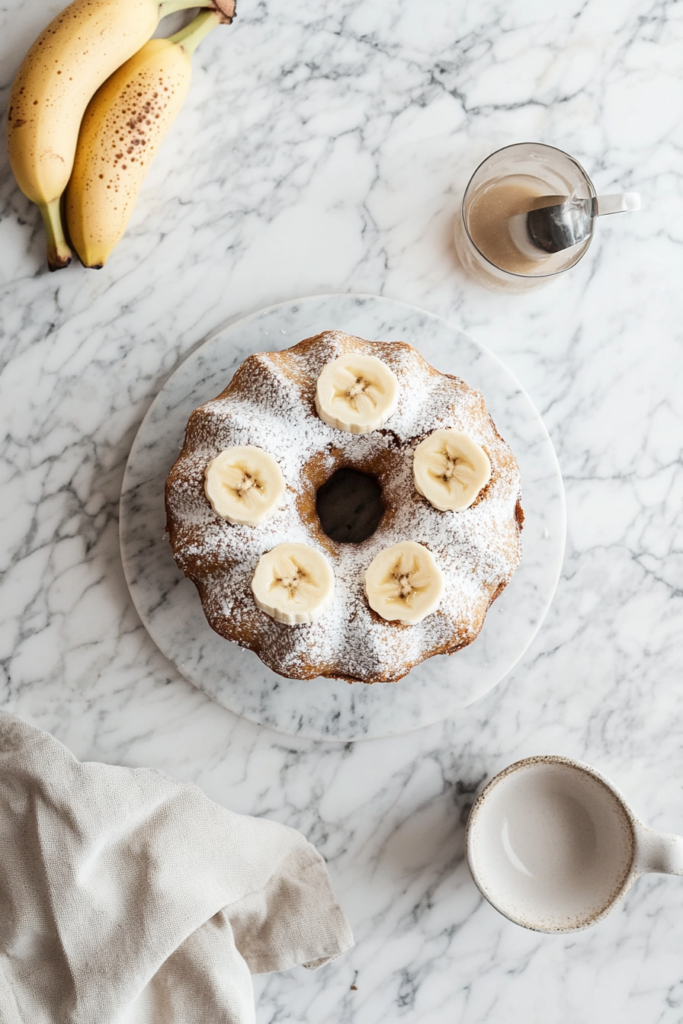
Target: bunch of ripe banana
column 89, row 109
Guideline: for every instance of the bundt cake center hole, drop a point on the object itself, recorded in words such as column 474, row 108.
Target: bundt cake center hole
column 350, row 506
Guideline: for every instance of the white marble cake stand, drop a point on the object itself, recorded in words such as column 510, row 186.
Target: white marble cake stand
column 324, row 709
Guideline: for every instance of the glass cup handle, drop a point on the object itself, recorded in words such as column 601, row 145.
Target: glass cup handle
column 624, row 202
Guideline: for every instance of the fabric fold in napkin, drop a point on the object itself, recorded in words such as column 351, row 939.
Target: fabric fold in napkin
column 127, row 896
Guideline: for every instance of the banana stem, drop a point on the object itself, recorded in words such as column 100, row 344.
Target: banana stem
column 171, row 6
column 58, row 251
column 226, row 8
column 191, row 36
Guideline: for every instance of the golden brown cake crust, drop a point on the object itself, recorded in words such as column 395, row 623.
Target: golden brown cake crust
column 270, row 403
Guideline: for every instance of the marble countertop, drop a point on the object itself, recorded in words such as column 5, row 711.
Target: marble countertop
column 323, row 148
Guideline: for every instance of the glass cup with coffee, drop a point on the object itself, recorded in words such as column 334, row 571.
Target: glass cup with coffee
column 528, row 214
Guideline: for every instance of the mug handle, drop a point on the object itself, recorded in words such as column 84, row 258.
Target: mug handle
column 661, row 852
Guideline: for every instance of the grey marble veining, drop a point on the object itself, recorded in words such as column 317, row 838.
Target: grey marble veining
column 322, row 149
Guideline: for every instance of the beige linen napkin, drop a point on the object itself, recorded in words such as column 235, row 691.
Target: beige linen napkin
column 127, row 896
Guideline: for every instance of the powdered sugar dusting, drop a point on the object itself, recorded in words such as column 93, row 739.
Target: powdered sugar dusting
column 270, row 403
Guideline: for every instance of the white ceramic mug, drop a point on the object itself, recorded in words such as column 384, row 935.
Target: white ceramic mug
column 553, row 845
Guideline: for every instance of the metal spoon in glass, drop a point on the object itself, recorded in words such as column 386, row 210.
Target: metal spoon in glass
column 558, row 222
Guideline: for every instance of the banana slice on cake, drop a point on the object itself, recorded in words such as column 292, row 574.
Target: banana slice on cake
column 404, row 582
column 293, row 583
column 356, row 393
column 244, row 485
column 450, row 469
